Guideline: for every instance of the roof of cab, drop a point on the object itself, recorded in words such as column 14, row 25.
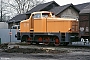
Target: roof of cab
column 41, row 12
column 25, row 21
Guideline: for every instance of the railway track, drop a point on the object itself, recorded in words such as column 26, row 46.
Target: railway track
column 61, row 46
column 50, row 46
column 47, row 49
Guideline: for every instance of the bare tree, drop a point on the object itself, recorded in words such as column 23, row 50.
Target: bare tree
column 15, row 7
column 22, row 6
column 3, row 11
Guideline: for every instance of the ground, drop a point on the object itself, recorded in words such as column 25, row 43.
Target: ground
column 64, row 53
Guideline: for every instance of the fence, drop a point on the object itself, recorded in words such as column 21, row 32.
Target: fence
column 8, row 35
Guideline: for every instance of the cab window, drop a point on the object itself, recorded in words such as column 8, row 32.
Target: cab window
column 38, row 15
column 45, row 15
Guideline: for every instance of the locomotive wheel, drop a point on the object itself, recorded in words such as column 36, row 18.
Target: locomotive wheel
column 57, row 42
column 40, row 39
column 28, row 41
column 47, row 39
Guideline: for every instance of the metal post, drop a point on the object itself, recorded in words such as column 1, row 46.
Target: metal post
column 1, row 10
column 10, row 35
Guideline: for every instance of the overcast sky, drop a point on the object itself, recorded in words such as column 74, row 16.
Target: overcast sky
column 64, row 2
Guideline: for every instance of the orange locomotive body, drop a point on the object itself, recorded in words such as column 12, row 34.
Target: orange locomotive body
column 44, row 27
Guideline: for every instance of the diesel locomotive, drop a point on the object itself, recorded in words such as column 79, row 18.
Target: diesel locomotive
column 44, row 27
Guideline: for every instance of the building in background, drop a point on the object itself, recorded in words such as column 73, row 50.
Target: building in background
column 3, row 25
column 65, row 11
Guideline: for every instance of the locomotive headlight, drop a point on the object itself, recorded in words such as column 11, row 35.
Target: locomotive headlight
column 69, row 29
